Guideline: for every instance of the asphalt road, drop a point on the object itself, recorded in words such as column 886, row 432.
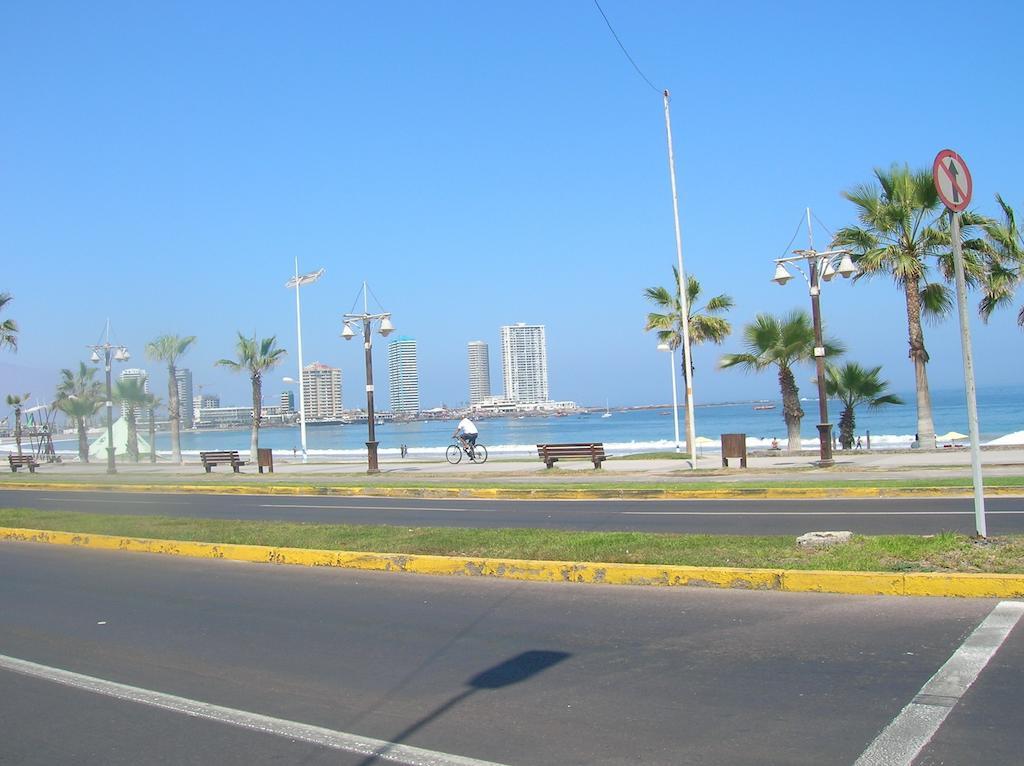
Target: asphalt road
column 491, row 670
column 760, row 517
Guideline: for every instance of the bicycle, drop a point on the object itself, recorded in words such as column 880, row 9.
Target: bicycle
column 454, row 453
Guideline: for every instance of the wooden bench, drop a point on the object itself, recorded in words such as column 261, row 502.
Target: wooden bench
column 22, row 461
column 222, row 457
column 551, row 453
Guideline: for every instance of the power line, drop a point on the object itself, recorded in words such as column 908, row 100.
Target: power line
column 612, row 30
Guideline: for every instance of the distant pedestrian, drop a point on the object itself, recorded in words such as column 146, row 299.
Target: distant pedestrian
column 294, row 451
column 860, row 444
column 775, row 443
column 404, row 450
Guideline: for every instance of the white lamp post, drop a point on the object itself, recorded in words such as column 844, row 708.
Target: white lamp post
column 120, row 354
column 298, row 281
column 675, row 401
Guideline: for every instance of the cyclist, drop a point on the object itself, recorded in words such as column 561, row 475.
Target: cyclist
column 466, row 433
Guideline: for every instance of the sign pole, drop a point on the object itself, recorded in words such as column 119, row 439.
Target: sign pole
column 972, row 400
column 955, row 186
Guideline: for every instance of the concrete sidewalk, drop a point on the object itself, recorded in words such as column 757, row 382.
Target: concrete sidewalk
column 850, row 466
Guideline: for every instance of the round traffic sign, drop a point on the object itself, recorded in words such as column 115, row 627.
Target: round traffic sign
column 952, row 180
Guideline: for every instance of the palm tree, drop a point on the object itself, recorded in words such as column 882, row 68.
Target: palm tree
column 704, row 324
column 8, row 327
column 132, row 393
column 1004, row 263
column 256, row 356
column 17, row 402
column 167, row 348
column 901, row 233
column 78, row 397
column 152, row 402
column 854, row 385
column 782, row 342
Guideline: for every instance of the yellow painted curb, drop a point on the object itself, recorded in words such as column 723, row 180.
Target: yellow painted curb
column 856, row 583
column 554, row 493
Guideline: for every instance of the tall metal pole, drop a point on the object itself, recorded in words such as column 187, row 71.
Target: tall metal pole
column 675, row 400
column 824, row 427
column 111, row 467
column 302, row 396
column 371, row 445
column 972, row 400
column 683, row 302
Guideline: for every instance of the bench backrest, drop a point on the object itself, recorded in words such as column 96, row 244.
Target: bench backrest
column 21, row 459
column 585, row 449
column 221, row 455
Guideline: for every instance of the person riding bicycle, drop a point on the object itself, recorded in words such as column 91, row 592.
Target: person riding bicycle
column 466, row 433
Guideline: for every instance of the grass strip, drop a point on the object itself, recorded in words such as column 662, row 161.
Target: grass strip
column 945, row 552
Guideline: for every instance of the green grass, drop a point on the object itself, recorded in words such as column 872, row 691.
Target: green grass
column 946, row 552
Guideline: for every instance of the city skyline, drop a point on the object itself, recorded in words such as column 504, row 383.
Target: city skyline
column 564, row 219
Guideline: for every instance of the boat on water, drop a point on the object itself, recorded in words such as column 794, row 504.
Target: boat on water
column 760, row 407
column 607, row 412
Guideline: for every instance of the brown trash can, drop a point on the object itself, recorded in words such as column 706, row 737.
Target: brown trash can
column 734, row 445
column 265, row 459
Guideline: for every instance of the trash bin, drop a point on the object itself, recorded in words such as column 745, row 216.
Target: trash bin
column 265, row 459
column 734, row 445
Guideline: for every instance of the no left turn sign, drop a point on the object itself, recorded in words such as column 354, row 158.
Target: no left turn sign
column 952, row 180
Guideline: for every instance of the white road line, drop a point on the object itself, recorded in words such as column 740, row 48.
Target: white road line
column 908, row 734
column 280, row 727
column 377, row 508
column 814, row 513
column 130, row 501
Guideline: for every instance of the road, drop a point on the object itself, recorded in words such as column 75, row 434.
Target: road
column 757, row 517
column 486, row 670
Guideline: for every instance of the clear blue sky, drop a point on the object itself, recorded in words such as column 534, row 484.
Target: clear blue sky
column 479, row 164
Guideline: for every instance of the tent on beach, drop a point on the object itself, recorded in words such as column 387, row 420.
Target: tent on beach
column 98, row 449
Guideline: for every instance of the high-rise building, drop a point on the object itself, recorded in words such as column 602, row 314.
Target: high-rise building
column 403, row 376
column 479, row 372
column 524, row 362
column 134, row 373
column 287, row 401
column 186, row 410
column 321, row 392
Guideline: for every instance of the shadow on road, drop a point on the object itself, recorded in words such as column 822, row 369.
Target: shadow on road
column 512, row 671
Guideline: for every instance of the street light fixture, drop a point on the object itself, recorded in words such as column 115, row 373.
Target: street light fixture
column 120, row 354
column 298, row 281
column 675, row 399
column 819, row 267
column 385, row 328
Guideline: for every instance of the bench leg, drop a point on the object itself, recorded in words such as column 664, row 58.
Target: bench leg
column 14, row 469
column 236, row 468
column 31, row 469
column 549, row 463
column 597, row 464
column 208, row 468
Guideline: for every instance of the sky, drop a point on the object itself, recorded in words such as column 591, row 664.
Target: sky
column 478, row 164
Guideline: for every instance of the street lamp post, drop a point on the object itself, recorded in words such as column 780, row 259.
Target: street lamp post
column 675, row 399
column 119, row 353
column 298, row 281
column 819, row 267
column 385, row 329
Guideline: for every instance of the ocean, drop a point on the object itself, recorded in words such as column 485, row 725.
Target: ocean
column 1001, row 416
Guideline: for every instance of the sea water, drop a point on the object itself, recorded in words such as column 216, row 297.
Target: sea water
column 632, row 431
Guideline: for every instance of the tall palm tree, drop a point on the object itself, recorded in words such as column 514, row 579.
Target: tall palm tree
column 902, row 233
column 132, row 393
column 17, row 403
column 705, row 325
column 8, row 327
column 167, row 348
column 79, row 397
column 255, row 356
column 854, row 385
column 781, row 342
column 1004, row 263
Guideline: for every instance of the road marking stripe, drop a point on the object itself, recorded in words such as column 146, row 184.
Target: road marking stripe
column 280, row 727
column 908, row 734
column 814, row 513
column 374, row 507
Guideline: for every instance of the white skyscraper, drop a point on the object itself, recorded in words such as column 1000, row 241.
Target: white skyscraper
column 183, row 378
column 403, row 377
column 321, row 390
column 524, row 362
column 479, row 372
column 134, row 373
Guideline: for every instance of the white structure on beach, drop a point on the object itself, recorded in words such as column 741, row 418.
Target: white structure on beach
column 479, row 372
column 403, row 377
column 524, row 363
column 321, row 391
